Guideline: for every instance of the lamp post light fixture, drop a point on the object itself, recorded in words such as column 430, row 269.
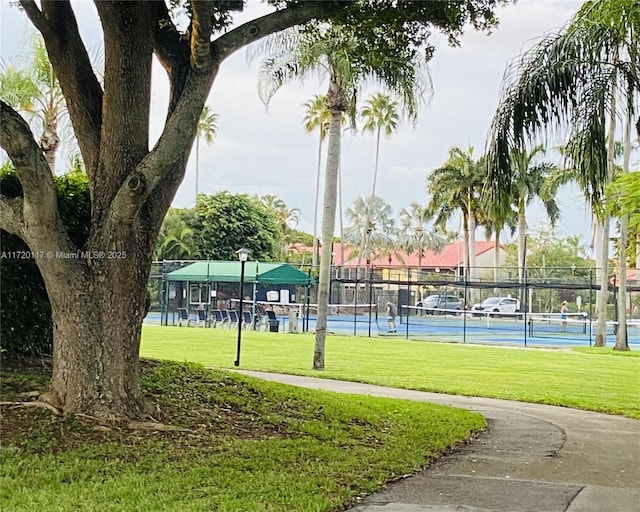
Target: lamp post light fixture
column 243, row 254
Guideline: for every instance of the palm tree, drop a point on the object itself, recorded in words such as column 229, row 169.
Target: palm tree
column 453, row 187
column 531, row 180
column 415, row 236
column 340, row 54
column 493, row 224
column 35, row 91
column 379, row 112
column 175, row 240
column 582, row 78
column 371, row 219
column 177, row 246
column 288, row 218
column 317, row 116
column 207, row 128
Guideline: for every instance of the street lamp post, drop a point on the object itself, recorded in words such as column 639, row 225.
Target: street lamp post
column 243, row 254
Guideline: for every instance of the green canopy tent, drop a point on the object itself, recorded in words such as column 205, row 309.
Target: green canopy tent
column 266, row 275
column 229, row 272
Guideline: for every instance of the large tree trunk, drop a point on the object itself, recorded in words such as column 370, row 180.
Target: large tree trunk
column 337, row 105
column 97, row 313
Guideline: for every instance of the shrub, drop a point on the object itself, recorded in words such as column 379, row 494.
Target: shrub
column 25, row 317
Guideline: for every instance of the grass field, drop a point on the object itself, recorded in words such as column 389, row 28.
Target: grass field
column 587, row 378
column 235, row 444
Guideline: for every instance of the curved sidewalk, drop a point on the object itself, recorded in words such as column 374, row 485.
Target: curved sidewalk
column 531, row 458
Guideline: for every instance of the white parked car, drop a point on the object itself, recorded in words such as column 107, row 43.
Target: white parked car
column 498, row 305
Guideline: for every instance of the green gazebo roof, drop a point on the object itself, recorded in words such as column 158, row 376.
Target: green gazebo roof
column 229, row 272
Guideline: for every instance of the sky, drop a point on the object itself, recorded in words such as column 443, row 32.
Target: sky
column 260, row 150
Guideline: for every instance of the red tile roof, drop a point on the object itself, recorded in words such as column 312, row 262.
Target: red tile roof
column 452, row 256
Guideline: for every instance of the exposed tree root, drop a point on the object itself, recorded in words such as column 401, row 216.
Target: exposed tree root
column 44, row 405
column 162, row 427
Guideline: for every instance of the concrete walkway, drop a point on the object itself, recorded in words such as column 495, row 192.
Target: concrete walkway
column 533, row 458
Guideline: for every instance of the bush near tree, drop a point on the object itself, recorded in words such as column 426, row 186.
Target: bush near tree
column 25, row 317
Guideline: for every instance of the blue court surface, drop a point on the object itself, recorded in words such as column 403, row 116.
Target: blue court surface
column 535, row 331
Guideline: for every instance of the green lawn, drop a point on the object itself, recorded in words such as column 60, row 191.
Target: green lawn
column 245, row 445
column 593, row 379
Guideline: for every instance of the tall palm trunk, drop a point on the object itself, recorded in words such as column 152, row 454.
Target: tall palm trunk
column 603, row 294
column 49, row 140
column 315, row 206
column 472, row 238
column 522, row 247
column 601, row 331
column 496, row 259
column 341, row 217
column 472, row 252
column 622, row 342
column 337, row 105
column 465, row 242
column 340, row 211
column 365, row 245
column 197, row 166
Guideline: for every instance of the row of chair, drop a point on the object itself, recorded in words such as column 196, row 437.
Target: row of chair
column 219, row 318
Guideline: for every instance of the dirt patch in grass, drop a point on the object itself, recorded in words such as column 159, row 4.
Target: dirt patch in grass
column 189, row 404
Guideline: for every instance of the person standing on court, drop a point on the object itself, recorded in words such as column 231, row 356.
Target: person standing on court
column 564, row 310
column 391, row 316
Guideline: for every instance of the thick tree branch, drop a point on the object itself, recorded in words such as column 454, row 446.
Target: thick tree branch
column 36, row 16
column 29, row 161
column 128, row 29
column 11, row 215
column 35, row 218
column 72, row 67
column 172, row 50
column 163, row 168
column 202, row 25
column 254, row 30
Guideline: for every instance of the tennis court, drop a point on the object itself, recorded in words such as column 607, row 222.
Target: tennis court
column 454, row 326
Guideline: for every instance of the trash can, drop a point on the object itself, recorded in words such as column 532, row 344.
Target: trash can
column 274, row 325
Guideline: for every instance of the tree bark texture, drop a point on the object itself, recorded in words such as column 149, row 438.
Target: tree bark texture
column 98, row 292
column 337, row 106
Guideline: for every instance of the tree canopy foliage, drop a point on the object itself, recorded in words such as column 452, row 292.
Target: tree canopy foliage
column 223, row 223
